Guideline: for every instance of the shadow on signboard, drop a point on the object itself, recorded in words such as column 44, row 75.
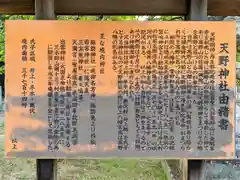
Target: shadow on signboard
column 108, row 120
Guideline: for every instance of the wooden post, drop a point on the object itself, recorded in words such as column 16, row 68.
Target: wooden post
column 183, row 163
column 194, row 169
column 197, row 10
column 46, row 168
column 45, row 10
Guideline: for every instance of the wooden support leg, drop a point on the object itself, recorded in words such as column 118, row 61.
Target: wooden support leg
column 46, row 168
column 197, row 11
column 194, row 169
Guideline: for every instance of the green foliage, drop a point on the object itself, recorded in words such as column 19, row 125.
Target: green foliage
column 238, row 56
column 238, row 53
column 3, row 18
column 165, row 18
column 119, row 18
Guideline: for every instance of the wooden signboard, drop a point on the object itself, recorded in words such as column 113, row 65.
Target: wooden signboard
column 120, row 89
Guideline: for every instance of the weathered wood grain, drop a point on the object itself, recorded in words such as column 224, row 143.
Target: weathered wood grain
column 122, row 7
column 224, row 7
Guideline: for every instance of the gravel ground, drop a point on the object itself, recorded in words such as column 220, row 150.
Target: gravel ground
column 221, row 170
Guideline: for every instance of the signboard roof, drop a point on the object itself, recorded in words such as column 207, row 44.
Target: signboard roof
column 122, row 7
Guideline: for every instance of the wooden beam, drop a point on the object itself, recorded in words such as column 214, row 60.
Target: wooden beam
column 224, row 7
column 46, row 168
column 100, row 7
column 122, row 7
column 197, row 10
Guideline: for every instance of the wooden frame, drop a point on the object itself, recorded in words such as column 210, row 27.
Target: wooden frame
column 122, row 7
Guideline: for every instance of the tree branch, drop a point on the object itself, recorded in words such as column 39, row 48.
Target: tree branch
column 99, row 18
column 77, row 18
column 175, row 18
column 150, row 18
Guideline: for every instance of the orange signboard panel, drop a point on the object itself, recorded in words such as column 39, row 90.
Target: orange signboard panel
column 120, row 89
